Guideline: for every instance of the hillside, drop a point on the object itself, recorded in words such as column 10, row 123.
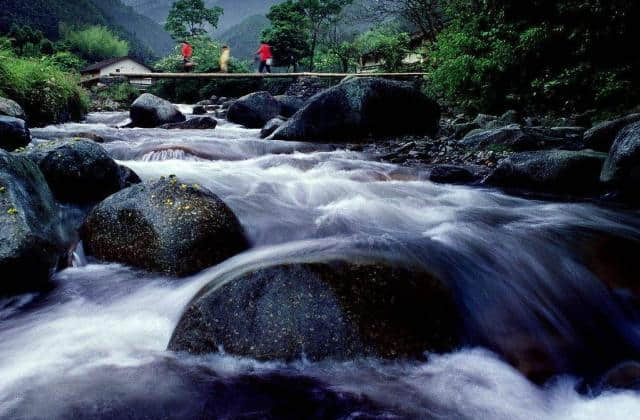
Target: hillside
column 243, row 38
column 146, row 38
column 234, row 11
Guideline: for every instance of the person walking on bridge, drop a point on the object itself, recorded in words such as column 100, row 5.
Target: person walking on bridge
column 225, row 56
column 266, row 57
column 187, row 53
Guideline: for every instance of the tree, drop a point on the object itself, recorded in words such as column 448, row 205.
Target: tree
column 387, row 43
column 188, row 18
column 426, row 15
column 94, row 43
column 287, row 34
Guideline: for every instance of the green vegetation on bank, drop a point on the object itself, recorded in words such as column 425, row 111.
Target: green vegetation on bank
column 46, row 92
column 94, row 43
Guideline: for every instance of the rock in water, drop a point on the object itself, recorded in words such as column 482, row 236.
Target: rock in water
column 149, row 111
column 79, row 171
column 363, row 107
column 254, row 110
column 333, row 309
column 271, row 126
column 199, row 110
column 602, row 136
column 164, row 226
column 559, row 171
column 30, row 245
column 11, row 109
column 289, row 105
column 622, row 167
column 13, row 133
column 195, row 123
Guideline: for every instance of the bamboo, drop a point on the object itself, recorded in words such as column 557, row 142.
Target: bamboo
column 256, row 75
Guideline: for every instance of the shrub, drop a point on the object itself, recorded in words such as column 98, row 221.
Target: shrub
column 47, row 93
column 95, row 43
column 122, row 92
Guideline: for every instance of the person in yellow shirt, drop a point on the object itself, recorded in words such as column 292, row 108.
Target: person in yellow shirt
column 225, row 56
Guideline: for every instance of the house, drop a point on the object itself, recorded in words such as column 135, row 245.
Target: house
column 105, row 68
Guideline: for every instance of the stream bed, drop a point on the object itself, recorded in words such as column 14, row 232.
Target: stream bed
column 542, row 272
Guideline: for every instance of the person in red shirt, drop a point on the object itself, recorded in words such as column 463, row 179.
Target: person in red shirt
column 187, row 53
column 266, row 57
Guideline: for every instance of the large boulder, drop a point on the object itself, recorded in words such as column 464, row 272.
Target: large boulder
column 332, row 309
column 14, row 133
column 195, row 123
column 164, row 226
column 558, row 171
column 622, row 168
column 79, row 171
column 254, row 110
column 362, row 107
column 289, row 105
column 519, row 139
column 11, row 108
column 30, row 243
column 150, row 111
column 602, row 136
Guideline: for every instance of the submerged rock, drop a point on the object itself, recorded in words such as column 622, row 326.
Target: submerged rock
column 14, row 133
column 271, row 126
column 195, row 123
column 559, row 171
column 79, row 171
column 149, row 111
column 451, row 174
column 164, row 226
column 11, row 109
column 200, row 109
column 30, row 244
column 254, row 110
column 602, row 136
column 363, row 107
column 622, row 168
column 333, row 309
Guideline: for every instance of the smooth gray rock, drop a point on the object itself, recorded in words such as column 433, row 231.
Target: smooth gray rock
column 149, row 111
column 11, row 108
column 164, row 226
column 254, row 110
column 30, row 239
column 602, row 136
column 451, row 174
column 195, row 123
column 361, row 108
column 14, row 133
column 554, row 171
column 289, row 105
column 333, row 309
column 622, row 168
column 510, row 138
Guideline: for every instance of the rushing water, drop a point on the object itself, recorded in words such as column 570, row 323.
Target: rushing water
column 95, row 346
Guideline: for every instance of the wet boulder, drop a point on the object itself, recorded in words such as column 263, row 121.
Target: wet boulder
column 78, row 171
column 199, row 110
column 602, row 136
column 360, row 108
column 195, row 123
column 558, row 171
column 254, row 110
column 622, row 168
column 509, row 138
column 14, row 133
column 164, row 226
column 289, row 105
column 149, row 111
column 11, row 108
column 270, row 127
column 332, row 309
column 451, row 174
column 30, row 242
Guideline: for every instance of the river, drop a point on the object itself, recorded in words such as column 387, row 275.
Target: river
column 95, row 346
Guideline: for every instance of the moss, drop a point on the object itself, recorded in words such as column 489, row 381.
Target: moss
column 12, row 211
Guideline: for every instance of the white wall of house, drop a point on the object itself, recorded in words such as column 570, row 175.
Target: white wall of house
column 127, row 66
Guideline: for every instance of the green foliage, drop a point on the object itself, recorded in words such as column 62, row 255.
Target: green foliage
column 68, row 62
column 387, row 43
column 187, row 18
column 122, row 92
column 46, row 93
column 567, row 55
column 95, row 43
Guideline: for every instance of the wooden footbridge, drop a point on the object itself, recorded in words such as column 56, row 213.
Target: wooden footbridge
column 258, row 75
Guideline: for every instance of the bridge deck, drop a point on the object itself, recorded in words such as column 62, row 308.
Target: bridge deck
column 256, row 75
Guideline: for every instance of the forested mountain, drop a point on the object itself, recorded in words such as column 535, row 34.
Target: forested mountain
column 243, row 38
column 146, row 37
column 235, row 11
